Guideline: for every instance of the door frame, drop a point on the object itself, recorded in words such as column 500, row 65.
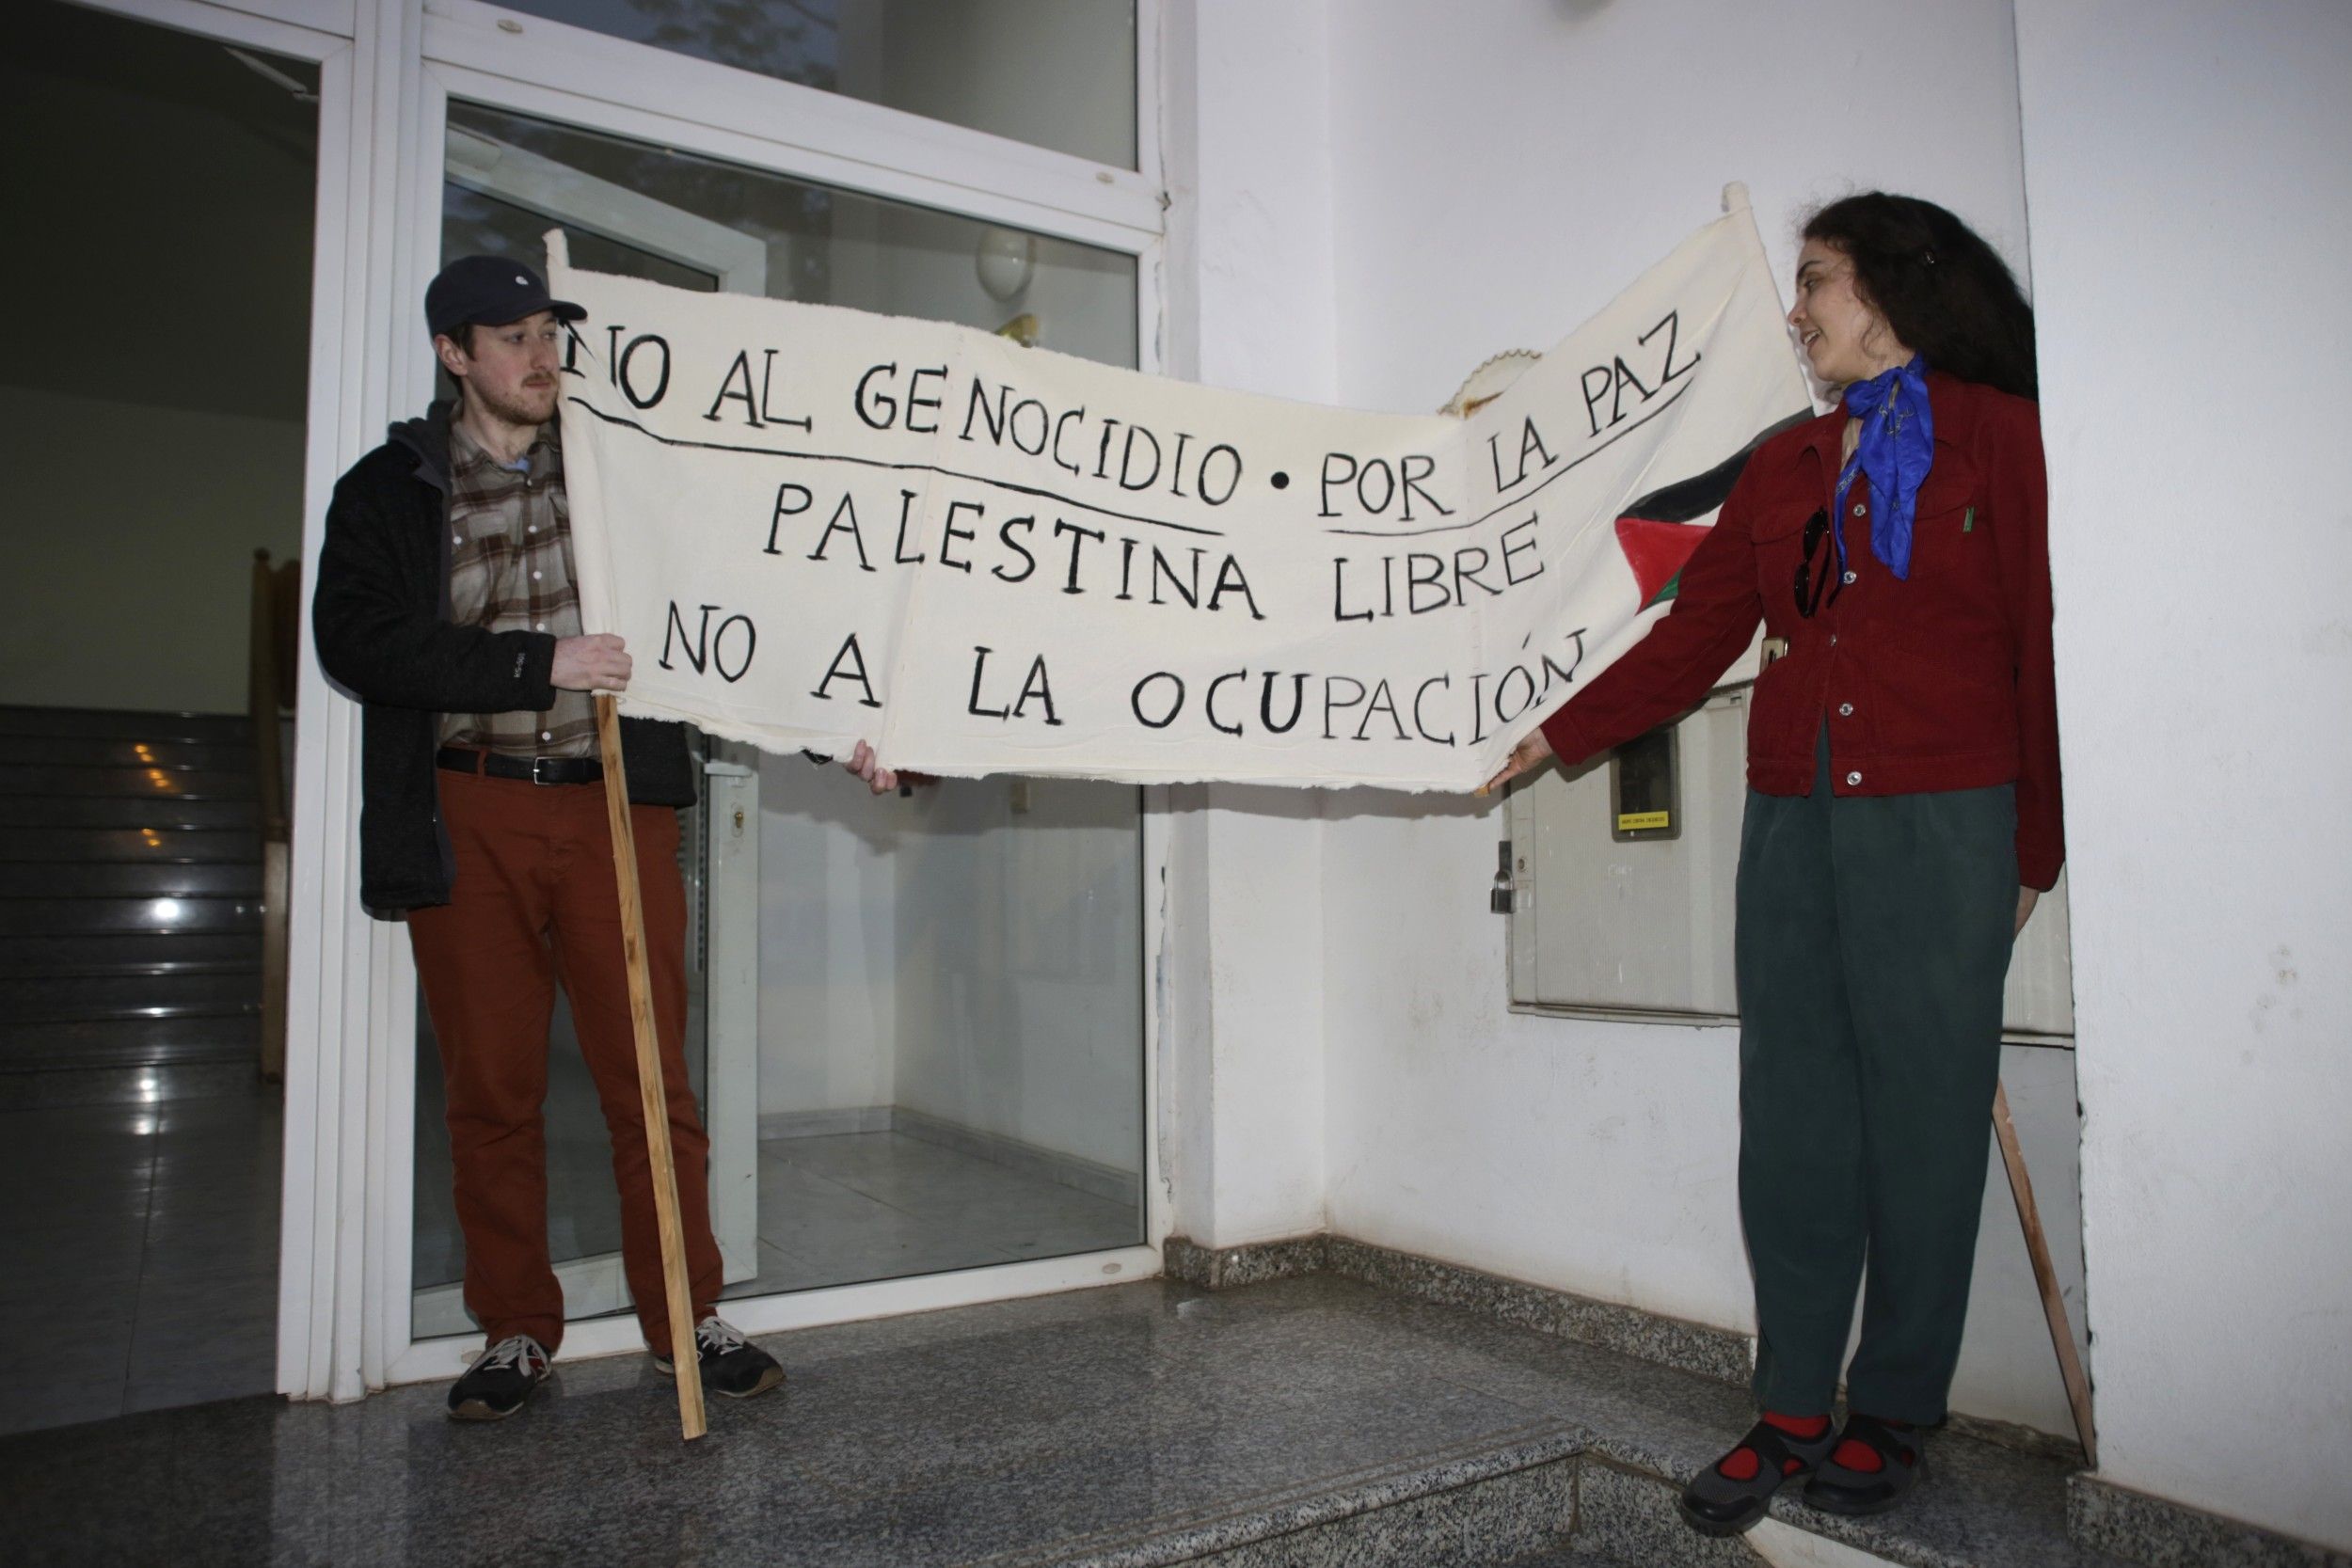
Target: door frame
column 328, row 1127
column 387, row 69
column 555, row 73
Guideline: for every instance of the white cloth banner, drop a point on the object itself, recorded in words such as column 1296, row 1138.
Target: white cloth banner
column 814, row 524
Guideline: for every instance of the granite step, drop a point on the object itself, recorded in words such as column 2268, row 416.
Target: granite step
column 1309, row 1420
column 126, row 724
column 126, row 916
column 88, row 1044
column 226, row 1077
column 164, row 813
column 64, row 998
column 116, row 751
column 131, row 846
column 145, row 784
column 158, row 879
column 28, row 956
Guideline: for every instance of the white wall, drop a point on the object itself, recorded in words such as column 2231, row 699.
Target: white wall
column 1248, row 138
column 1494, row 174
column 138, row 596
column 2190, row 169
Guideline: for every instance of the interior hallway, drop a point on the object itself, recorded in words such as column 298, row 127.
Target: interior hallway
column 140, row 1235
column 139, row 1149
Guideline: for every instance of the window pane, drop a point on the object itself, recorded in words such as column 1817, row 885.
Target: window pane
column 1057, row 74
column 813, row 242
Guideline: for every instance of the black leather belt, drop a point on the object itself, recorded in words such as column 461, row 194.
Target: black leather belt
column 539, row 771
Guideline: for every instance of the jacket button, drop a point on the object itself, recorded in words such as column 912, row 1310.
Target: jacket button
column 1845, row 710
column 1850, row 576
column 1853, row 777
column 1857, row 509
column 1832, row 640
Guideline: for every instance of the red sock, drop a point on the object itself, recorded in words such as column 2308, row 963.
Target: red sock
column 1743, row 1463
column 1854, row 1455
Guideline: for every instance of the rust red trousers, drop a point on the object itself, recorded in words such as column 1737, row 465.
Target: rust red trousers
column 536, row 904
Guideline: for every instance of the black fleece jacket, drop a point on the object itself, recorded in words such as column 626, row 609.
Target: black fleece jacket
column 381, row 618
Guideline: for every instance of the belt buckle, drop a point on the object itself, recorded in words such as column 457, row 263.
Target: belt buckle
column 539, row 777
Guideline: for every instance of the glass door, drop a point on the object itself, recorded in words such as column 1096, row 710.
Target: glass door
column 919, row 1021
column 500, row 199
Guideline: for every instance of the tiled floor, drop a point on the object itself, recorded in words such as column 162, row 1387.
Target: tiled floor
column 138, row 1236
column 140, row 1240
column 833, row 1210
column 1120, row 1426
column 865, row 1206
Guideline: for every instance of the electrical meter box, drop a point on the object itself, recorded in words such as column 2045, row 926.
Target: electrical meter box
column 1622, row 875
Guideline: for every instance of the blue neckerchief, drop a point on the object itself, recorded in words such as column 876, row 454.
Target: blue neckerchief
column 1897, row 447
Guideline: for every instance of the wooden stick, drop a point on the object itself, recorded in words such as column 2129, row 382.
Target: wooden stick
column 684, row 1357
column 2038, row 1248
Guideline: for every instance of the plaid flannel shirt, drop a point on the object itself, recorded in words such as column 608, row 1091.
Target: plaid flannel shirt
column 509, row 569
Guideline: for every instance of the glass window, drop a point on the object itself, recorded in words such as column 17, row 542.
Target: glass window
column 692, row 217
column 1055, row 74
column 948, row 1068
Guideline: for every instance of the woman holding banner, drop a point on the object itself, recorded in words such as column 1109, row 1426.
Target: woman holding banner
column 1903, row 814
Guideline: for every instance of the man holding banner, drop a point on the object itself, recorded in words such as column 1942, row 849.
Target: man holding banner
column 446, row 604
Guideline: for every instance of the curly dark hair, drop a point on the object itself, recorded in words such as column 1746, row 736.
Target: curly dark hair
column 1938, row 284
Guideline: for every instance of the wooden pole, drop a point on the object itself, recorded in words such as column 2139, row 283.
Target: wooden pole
column 657, row 1105
column 2038, row 1248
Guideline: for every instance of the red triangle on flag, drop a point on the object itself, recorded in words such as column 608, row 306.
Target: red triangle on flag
column 1657, row 552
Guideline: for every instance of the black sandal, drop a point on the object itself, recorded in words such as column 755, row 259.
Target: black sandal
column 1715, row 1504
column 1837, row 1489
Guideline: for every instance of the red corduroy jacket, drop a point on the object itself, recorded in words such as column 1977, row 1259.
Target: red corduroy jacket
column 1941, row 681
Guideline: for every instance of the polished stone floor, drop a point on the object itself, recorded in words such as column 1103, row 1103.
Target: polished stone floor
column 138, row 1226
column 1125, row 1425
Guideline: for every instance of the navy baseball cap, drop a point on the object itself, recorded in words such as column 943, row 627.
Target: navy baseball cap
column 488, row 290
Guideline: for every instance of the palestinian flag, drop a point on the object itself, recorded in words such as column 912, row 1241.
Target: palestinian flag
column 1658, row 531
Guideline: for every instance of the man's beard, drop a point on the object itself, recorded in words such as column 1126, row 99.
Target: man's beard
column 516, row 412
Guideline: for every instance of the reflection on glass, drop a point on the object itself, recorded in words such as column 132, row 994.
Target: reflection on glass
column 948, row 1068
column 690, row 218
column 1055, row 74
column 951, row 1003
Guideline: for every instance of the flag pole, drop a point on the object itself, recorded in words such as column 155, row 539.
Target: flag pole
column 2044, row 1276
column 663, row 1167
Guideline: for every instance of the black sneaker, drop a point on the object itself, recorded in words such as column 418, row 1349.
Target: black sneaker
column 500, row 1380
column 731, row 1365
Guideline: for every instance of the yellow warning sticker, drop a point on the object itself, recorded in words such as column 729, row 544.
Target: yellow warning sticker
column 1642, row 822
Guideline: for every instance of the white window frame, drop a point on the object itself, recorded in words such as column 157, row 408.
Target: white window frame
column 387, row 68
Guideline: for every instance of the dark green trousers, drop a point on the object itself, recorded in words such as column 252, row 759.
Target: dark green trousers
column 1873, row 938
